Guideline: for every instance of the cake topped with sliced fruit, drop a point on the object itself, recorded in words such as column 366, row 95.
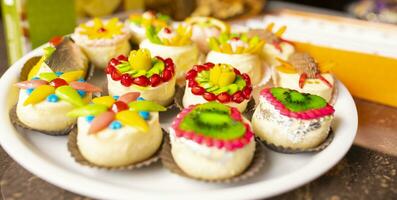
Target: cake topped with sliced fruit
column 236, row 43
column 169, row 36
column 45, row 98
column 217, row 82
column 137, row 23
column 118, row 130
column 141, row 72
column 302, row 72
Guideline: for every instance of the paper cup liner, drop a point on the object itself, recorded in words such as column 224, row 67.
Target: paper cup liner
column 266, row 75
column 79, row 158
column 17, row 123
column 256, row 165
column 289, row 150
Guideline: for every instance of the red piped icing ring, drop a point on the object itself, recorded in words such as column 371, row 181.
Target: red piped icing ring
column 305, row 115
column 224, row 97
column 229, row 145
column 127, row 80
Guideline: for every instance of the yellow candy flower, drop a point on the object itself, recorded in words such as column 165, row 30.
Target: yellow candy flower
column 102, row 30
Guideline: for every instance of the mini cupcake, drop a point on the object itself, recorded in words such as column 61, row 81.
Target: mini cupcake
column 102, row 40
column 137, row 23
column 219, row 82
column 142, row 73
column 291, row 119
column 118, row 131
column 276, row 46
column 302, row 73
column 211, row 141
column 174, row 44
column 44, row 100
column 240, row 51
column 204, row 28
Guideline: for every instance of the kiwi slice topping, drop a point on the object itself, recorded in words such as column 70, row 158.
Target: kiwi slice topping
column 213, row 119
column 296, row 101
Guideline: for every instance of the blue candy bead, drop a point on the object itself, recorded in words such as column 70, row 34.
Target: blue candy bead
column 81, row 80
column 115, row 125
column 140, row 99
column 116, row 97
column 35, row 78
column 89, row 118
column 145, row 115
column 82, row 93
column 52, row 98
column 58, row 73
column 29, row 91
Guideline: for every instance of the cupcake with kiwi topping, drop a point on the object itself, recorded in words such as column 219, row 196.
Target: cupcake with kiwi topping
column 290, row 119
column 175, row 44
column 117, row 131
column 102, row 40
column 142, row 73
column 211, row 141
column 217, row 82
column 240, row 51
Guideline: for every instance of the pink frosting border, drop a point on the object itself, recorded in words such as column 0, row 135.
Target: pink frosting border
column 229, row 145
column 305, row 115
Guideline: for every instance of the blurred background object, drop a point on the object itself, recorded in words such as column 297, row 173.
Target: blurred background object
column 375, row 10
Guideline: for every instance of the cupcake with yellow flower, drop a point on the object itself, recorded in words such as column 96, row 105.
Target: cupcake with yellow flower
column 44, row 100
column 175, row 44
column 153, row 77
column 240, row 51
column 102, row 40
column 116, row 131
column 137, row 23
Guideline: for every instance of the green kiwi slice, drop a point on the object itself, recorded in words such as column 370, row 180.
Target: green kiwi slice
column 296, row 101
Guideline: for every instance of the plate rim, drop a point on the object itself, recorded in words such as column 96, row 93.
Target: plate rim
column 20, row 149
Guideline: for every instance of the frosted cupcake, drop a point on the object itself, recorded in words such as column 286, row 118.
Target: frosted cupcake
column 211, row 141
column 240, row 51
column 102, row 40
column 175, row 44
column 115, row 132
column 142, row 73
column 217, row 82
column 303, row 73
column 137, row 23
column 291, row 119
column 204, row 28
column 44, row 100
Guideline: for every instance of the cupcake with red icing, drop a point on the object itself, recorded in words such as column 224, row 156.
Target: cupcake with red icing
column 152, row 77
column 291, row 119
column 211, row 141
column 217, row 82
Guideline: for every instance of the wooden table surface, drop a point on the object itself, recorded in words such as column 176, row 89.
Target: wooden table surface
column 368, row 171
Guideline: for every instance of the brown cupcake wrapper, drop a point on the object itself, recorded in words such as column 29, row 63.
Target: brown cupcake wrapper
column 79, row 158
column 256, row 165
column 289, row 150
column 17, row 123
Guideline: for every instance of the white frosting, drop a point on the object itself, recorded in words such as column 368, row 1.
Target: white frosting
column 210, row 163
column 201, row 34
column 119, row 147
column 184, row 57
column 311, row 86
column 246, row 63
column 46, row 116
column 281, row 130
column 162, row 94
column 163, row 34
column 138, row 33
column 271, row 53
column 190, row 99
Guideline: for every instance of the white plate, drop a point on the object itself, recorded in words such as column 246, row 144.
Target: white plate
column 48, row 158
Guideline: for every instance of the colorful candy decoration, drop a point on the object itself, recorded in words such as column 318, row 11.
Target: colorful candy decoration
column 57, row 86
column 275, row 38
column 169, row 36
column 114, row 112
column 236, row 43
column 150, row 18
column 99, row 29
column 140, row 69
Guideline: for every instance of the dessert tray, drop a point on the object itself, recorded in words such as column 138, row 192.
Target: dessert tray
column 48, row 158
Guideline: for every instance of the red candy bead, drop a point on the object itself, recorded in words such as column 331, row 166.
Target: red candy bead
column 122, row 57
column 113, row 62
column 236, row 71
column 116, row 75
column 209, row 96
column 192, row 83
column 142, row 81
column 168, row 62
column 197, row 90
column 247, row 92
column 199, row 68
column 223, row 97
column 167, row 75
column 58, row 82
column 119, row 106
column 155, row 80
column 126, row 80
column 238, row 97
column 209, row 65
column 109, row 69
column 56, row 40
column 246, row 78
column 191, row 74
column 101, row 30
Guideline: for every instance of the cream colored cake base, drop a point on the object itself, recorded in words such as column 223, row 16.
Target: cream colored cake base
column 280, row 130
column 124, row 146
column 312, row 86
column 184, row 57
column 250, row 64
column 190, row 99
column 210, row 163
column 270, row 53
column 162, row 94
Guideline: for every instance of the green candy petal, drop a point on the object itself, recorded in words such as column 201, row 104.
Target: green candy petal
column 148, row 106
column 70, row 95
column 151, row 34
column 48, row 76
column 90, row 109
